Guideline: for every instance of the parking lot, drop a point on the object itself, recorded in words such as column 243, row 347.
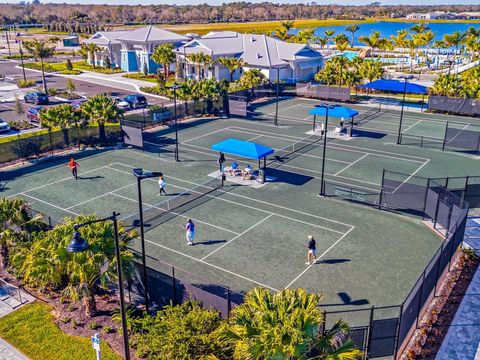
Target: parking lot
column 13, row 74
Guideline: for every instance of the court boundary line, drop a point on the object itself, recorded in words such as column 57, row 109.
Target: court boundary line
column 50, row 204
column 100, row 196
column 259, row 201
column 412, row 175
column 57, row 181
column 318, row 258
column 464, row 128
column 238, row 236
column 351, row 164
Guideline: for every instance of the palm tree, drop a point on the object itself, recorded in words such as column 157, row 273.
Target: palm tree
column 42, row 50
column 446, row 85
column 282, row 34
column 454, row 39
column 337, row 344
column 372, row 41
column 472, row 44
column 63, row 116
column 252, row 78
column 419, row 28
column 232, row 64
column 100, row 109
column 185, row 92
column 287, row 25
column 328, row 34
column 199, row 59
column 92, row 50
column 16, row 219
column 323, row 41
column 371, row 70
column 352, row 29
column 211, row 90
column 164, row 56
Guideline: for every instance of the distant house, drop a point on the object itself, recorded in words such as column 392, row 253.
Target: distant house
column 132, row 50
column 292, row 62
column 72, row 40
column 432, row 16
column 469, row 15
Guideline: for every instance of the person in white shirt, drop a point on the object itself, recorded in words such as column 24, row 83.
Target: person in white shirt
column 161, row 186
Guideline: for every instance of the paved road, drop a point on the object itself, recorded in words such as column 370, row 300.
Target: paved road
column 85, row 88
column 8, row 352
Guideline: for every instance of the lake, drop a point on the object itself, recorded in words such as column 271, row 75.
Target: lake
column 388, row 28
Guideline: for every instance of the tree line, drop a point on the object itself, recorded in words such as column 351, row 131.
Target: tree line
column 32, row 13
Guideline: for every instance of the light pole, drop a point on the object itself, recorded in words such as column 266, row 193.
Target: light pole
column 405, row 78
column 327, row 108
column 174, row 88
column 140, row 175
column 450, row 62
column 276, row 102
column 8, row 42
column 21, row 58
column 79, row 244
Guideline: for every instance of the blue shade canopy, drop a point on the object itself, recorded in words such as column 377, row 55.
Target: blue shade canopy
column 243, row 148
column 337, row 111
column 396, row 86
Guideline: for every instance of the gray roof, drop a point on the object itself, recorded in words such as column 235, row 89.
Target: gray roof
column 151, row 34
column 255, row 50
column 105, row 38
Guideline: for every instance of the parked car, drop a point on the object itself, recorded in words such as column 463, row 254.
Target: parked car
column 33, row 114
column 121, row 104
column 37, row 98
column 136, row 101
column 4, row 127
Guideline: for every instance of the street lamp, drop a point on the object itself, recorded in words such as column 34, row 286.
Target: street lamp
column 21, row 58
column 327, row 108
column 140, row 175
column 174, row 88
column 79, row 244
column 405, row 78
column 275, row 122
column 450, row 62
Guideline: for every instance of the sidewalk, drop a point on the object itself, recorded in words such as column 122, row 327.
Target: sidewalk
column 463, row 338
column 8, row 352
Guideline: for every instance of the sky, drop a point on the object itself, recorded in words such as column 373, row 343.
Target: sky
column 217, row 2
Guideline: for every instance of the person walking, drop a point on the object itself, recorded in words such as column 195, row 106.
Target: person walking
column 312, row 251
column 161, row 186
column 220, row 161
column 72, row 164
column 190, row 229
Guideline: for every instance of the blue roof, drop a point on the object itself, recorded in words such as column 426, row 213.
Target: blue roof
column 242, row 148
column 337, row 111
column 396, row 86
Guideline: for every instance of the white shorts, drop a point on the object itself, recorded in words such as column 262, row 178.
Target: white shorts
column 190, row 236
column 313, row 252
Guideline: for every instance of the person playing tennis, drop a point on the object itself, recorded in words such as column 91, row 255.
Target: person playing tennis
column 312, row 251
column 190, row 229
column 161, row 186
column 72, row 164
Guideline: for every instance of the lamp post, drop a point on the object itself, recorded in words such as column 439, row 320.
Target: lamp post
column 405, row 78
column 8, row 41
column 140, row 175
column 78, row 244
column 276, row 102
column 174, row 88
column 327, row 108
column 450, row 62
column 21, row 58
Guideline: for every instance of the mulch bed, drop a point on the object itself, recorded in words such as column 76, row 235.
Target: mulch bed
column 71, row 318
column 432, row 329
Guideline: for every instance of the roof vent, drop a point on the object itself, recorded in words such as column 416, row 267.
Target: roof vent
column 252, row 39
column 259, row 56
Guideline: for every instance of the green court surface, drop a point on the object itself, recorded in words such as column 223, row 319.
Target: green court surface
column 247, row 236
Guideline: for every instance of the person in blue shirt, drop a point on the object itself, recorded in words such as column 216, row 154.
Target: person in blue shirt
column 247, row 172
column 233, row 169
column 190, row 229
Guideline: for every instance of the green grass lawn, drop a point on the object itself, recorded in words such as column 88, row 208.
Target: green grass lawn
column 32, row 331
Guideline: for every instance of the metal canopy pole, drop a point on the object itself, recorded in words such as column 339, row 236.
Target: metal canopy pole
column 322, row 186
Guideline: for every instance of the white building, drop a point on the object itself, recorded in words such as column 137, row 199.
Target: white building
column 292, row 62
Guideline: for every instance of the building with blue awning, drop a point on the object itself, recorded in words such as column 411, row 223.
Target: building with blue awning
column 395, row 86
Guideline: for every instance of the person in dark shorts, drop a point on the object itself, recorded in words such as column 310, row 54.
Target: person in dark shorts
column 72, row 164
column 220, row 161
column 312, row 251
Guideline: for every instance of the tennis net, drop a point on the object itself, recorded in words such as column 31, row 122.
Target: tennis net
column 163, row 211
column 296, row 149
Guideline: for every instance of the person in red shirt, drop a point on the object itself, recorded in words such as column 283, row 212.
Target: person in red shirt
column 73, row 166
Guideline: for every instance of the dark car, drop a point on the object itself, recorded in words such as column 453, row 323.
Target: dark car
column 136, row 101
column 37, row 98
column 33, row 114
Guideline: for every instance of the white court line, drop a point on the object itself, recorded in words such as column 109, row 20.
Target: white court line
column 214, row 266
column 411, row 126
column 238, row 204
column 318, row 258
column 175, row 213
column 449, row 141
column 196, row 137
column 398, row 187
column 50, row 204
column 256, row 137
column 236, row 237
column 263, row 202
column 57, row 181
column 99, row 196
column 353, row 163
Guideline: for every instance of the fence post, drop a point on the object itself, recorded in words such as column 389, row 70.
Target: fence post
column 446, row 182
column 452, row 250
column 438, row 272
column 229, row 303
column 478, row 145
column 397, row 335
column 369, row 333
column 174, row 287
column 381, row 190
column 445, row 136
column 464, row 192
column 436, row 212
column 426, row 197
column 324, row 324
column 421, row 142
column 420, row 298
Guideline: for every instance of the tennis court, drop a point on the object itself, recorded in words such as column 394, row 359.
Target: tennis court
column 250, row 237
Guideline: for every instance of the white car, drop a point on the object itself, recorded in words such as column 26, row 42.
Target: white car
column 4, row 127
column 122, row 104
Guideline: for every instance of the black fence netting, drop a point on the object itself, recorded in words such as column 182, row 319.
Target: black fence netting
column 325, row 92
column 28, row 146
column 464, row 106
column 465, row 139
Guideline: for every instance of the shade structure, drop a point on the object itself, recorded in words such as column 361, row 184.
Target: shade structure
column 337, row 111
column 243, row 148
column 396, row 86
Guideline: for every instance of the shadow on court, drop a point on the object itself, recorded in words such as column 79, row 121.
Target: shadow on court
column 210, row 242
column 333, row 261
column 368, row 134
column 288, row 177
column 347, row 300
column 90, row 177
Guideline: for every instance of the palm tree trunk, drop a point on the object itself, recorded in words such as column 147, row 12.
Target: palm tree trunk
column 199, row 67
column 231, row 75
column 90, row 304
column 43, row 77
column 66, row 139
column 101, row 133
column 165, row 72
column 4, row 253
column 78, row 135
column 93, row 60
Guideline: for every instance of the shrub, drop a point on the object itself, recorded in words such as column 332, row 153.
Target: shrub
column 17, row 56
column 52, row 91
column 156, row 90
column 71, row 72
column 107, row 329
column 69, row 65
column 20, row 125
column 93, row 325
column 26, row 83
column 26, row 148
column 66, row 320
